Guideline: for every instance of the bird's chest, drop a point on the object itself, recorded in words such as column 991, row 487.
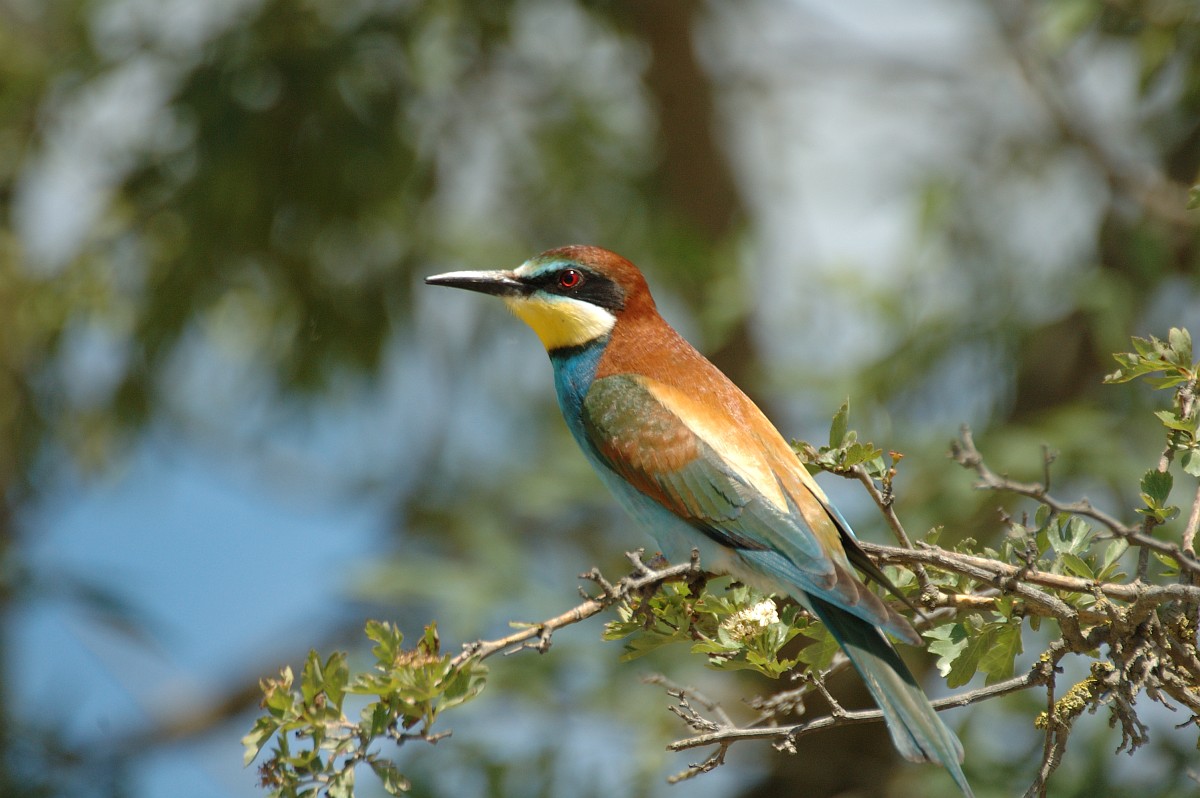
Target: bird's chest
column 574, row 370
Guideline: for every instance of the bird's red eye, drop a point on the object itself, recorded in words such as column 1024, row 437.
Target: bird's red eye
column 569, row 278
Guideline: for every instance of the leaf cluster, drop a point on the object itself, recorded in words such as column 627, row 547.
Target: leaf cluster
column 318, row 747
column 1171, row 360
column 1162, row 365
column 844, row 451
column 739, row 628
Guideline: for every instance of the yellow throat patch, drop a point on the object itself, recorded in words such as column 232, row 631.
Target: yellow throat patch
column 560, row 321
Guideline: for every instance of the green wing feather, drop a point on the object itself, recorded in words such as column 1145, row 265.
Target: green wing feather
column 656, row 451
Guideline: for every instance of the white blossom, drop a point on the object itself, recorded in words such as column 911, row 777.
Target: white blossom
column 748, row 622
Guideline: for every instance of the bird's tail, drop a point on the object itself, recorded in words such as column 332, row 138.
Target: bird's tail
column 917, row 732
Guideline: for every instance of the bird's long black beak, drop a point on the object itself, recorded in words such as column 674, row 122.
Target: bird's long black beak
column 496, row 283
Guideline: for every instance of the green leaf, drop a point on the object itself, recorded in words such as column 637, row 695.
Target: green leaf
column 264, row 729
column 900, row 577
column 390, row 776
column 375, row 718
column 997, row 661
column 818, row 654
column 1172, row 357
column 278, row 698
column 430, row 643
column 947, row 642
column 1069, row 535
column 1148, row 348
column 1165, row 514
column 1168, row 381
column 1190, row 461
column 641, row 645
column 864, row 453
column 341, row 785
column 961, row 647
column 463, row 684
column 389, row 641
column 1112, row 556
column 1168, row 562
column 1156, row 487
column 312, row 678
column 1180, row 341
column 1116, row 377
column 337, row 676
column 837, row 431
column 1115, row 549
column 1076, row 565
column 1172, row 421
column 1005, row 605
column 616, row 630
column 1079, row 533
column 967, row 662
column 1193, row 203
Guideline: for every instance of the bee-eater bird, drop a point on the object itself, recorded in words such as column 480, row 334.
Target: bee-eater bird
column 692, row 458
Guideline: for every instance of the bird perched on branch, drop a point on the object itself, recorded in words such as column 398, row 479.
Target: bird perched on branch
column 693, row 459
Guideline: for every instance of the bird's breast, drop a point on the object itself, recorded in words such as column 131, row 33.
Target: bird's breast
column 574, row 371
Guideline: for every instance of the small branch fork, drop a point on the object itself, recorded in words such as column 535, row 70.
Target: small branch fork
column 883, row 500
column 967, row 455
column 537, row 636
column 785, row 736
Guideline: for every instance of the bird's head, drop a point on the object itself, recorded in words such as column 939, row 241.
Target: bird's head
column 569, row 296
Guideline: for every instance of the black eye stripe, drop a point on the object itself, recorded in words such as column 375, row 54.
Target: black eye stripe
column 591, row 286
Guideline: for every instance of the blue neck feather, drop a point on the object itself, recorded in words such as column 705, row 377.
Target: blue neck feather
column 574, row 370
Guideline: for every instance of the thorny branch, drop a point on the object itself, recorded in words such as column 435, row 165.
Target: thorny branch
column 786, row 736
column 886, row 506
column 1147, row 630
column 967, row 455
column 537, row 636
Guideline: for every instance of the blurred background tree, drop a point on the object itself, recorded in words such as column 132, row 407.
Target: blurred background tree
column 231, row 427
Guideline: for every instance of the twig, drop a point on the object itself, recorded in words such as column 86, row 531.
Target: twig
column 887, row 507
column 1053, row 746
column 836, row 710
column 1083, row 630
column 679, row 691
column 1149, row 522
column 1004, row 577
column 967, row 455
column 986, row 571
column 645, row 578
column 730, row 734
column 690, row 716
column 1193, row 525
